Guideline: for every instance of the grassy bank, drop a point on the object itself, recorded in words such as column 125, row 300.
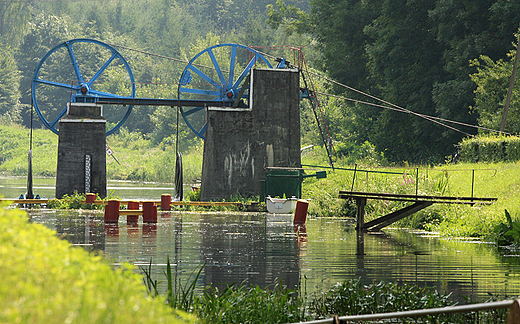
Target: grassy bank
column 46, row 280
column 140, row 160
column 501, row 180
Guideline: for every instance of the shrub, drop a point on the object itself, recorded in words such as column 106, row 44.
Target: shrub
column 46, row 280
column 490, row 149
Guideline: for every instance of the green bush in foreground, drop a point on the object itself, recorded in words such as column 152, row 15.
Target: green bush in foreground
column 45, row 280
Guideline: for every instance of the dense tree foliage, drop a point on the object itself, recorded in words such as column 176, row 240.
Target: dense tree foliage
column 414, row 54
column 9, row 87
column 491, row 80
column 437, row 58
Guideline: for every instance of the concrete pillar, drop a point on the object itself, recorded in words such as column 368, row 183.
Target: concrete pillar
column 240, row 144
column 82, row 151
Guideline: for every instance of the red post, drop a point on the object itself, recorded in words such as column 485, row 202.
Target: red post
column 149, row 212
column 166, row 200
column 300, row 214
column 112, row 211
column 90, row 198
column 132, row 219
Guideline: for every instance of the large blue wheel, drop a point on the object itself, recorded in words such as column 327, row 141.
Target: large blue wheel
column 217, row 74
column 80, row 70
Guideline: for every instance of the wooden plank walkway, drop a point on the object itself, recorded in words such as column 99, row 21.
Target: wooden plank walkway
column 419, row 202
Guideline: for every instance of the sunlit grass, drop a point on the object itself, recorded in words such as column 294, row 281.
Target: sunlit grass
column 500, row 180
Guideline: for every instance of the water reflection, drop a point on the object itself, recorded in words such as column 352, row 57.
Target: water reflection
column 260, row 249
column 249, row 249
column 13, row 187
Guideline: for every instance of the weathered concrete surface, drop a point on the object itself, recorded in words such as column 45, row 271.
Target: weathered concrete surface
column 82, row 132
column 239, row 145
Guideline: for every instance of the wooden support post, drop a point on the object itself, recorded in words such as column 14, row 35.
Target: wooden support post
column 166, row 200
column 379, row 223
column 360, row 203
column 300, row 214
column 360, row 226
column 132, row 219
column 514, row 313
column 90, row 198
column 112, row 211
column 149, row 212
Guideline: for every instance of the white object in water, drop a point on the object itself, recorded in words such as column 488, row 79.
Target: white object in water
column 281, row 206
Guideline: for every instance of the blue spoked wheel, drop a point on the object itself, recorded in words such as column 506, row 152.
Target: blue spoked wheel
column 79, row 70
column 217, row 74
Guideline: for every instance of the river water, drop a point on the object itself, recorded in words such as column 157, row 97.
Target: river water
column 262, row 249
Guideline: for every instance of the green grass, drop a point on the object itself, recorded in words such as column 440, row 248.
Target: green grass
column 139, row 159
column 142, row 161
column 501, row 180
column 46, row 280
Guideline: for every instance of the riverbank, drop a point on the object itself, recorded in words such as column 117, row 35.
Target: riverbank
column 500, row 180
column 141, row 161
column 311, row 262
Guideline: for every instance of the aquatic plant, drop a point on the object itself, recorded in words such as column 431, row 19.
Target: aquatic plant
column 74, row 201
column 507, row 233
column 235, row 304
column 178, row 295
column 354, row 298
column 242, row 304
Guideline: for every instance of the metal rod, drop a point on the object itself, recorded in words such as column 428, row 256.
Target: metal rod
column 354, row 177
column 421, row 312
column 472, row 182
column 417, row 182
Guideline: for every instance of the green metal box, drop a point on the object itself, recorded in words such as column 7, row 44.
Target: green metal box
column 283, row 182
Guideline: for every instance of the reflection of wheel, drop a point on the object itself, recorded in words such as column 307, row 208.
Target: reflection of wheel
column 216, row 74
column 96, row 70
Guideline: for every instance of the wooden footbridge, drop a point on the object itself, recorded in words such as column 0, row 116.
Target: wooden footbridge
column 418, row 202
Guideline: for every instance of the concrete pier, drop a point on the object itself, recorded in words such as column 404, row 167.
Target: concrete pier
column 82, row 151
column 240, row 144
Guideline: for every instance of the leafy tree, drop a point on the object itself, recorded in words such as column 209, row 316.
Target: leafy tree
column 404, row 61
column 339, row 29
column 14, row 17
column 45, row 32
column 468, row 29
column 492, row 80
column 9, row 87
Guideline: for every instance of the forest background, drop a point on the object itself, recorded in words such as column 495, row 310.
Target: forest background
column 447, row 59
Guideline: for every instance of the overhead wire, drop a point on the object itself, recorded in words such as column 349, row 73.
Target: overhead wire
column 389, row 105
column 417, row 114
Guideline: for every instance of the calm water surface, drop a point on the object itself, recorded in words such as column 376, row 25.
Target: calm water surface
column 262, row 249
column 13, row 187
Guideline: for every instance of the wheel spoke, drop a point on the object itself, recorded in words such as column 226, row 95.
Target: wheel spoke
column 217, row 67
column 200, row 91
column 245, row 72
column 58, row 118
column 232, row 64
column 79, row 77
column 205, row 77
column 57, row 84
column 203, row 129
column 192, row 111
column 103, row 68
